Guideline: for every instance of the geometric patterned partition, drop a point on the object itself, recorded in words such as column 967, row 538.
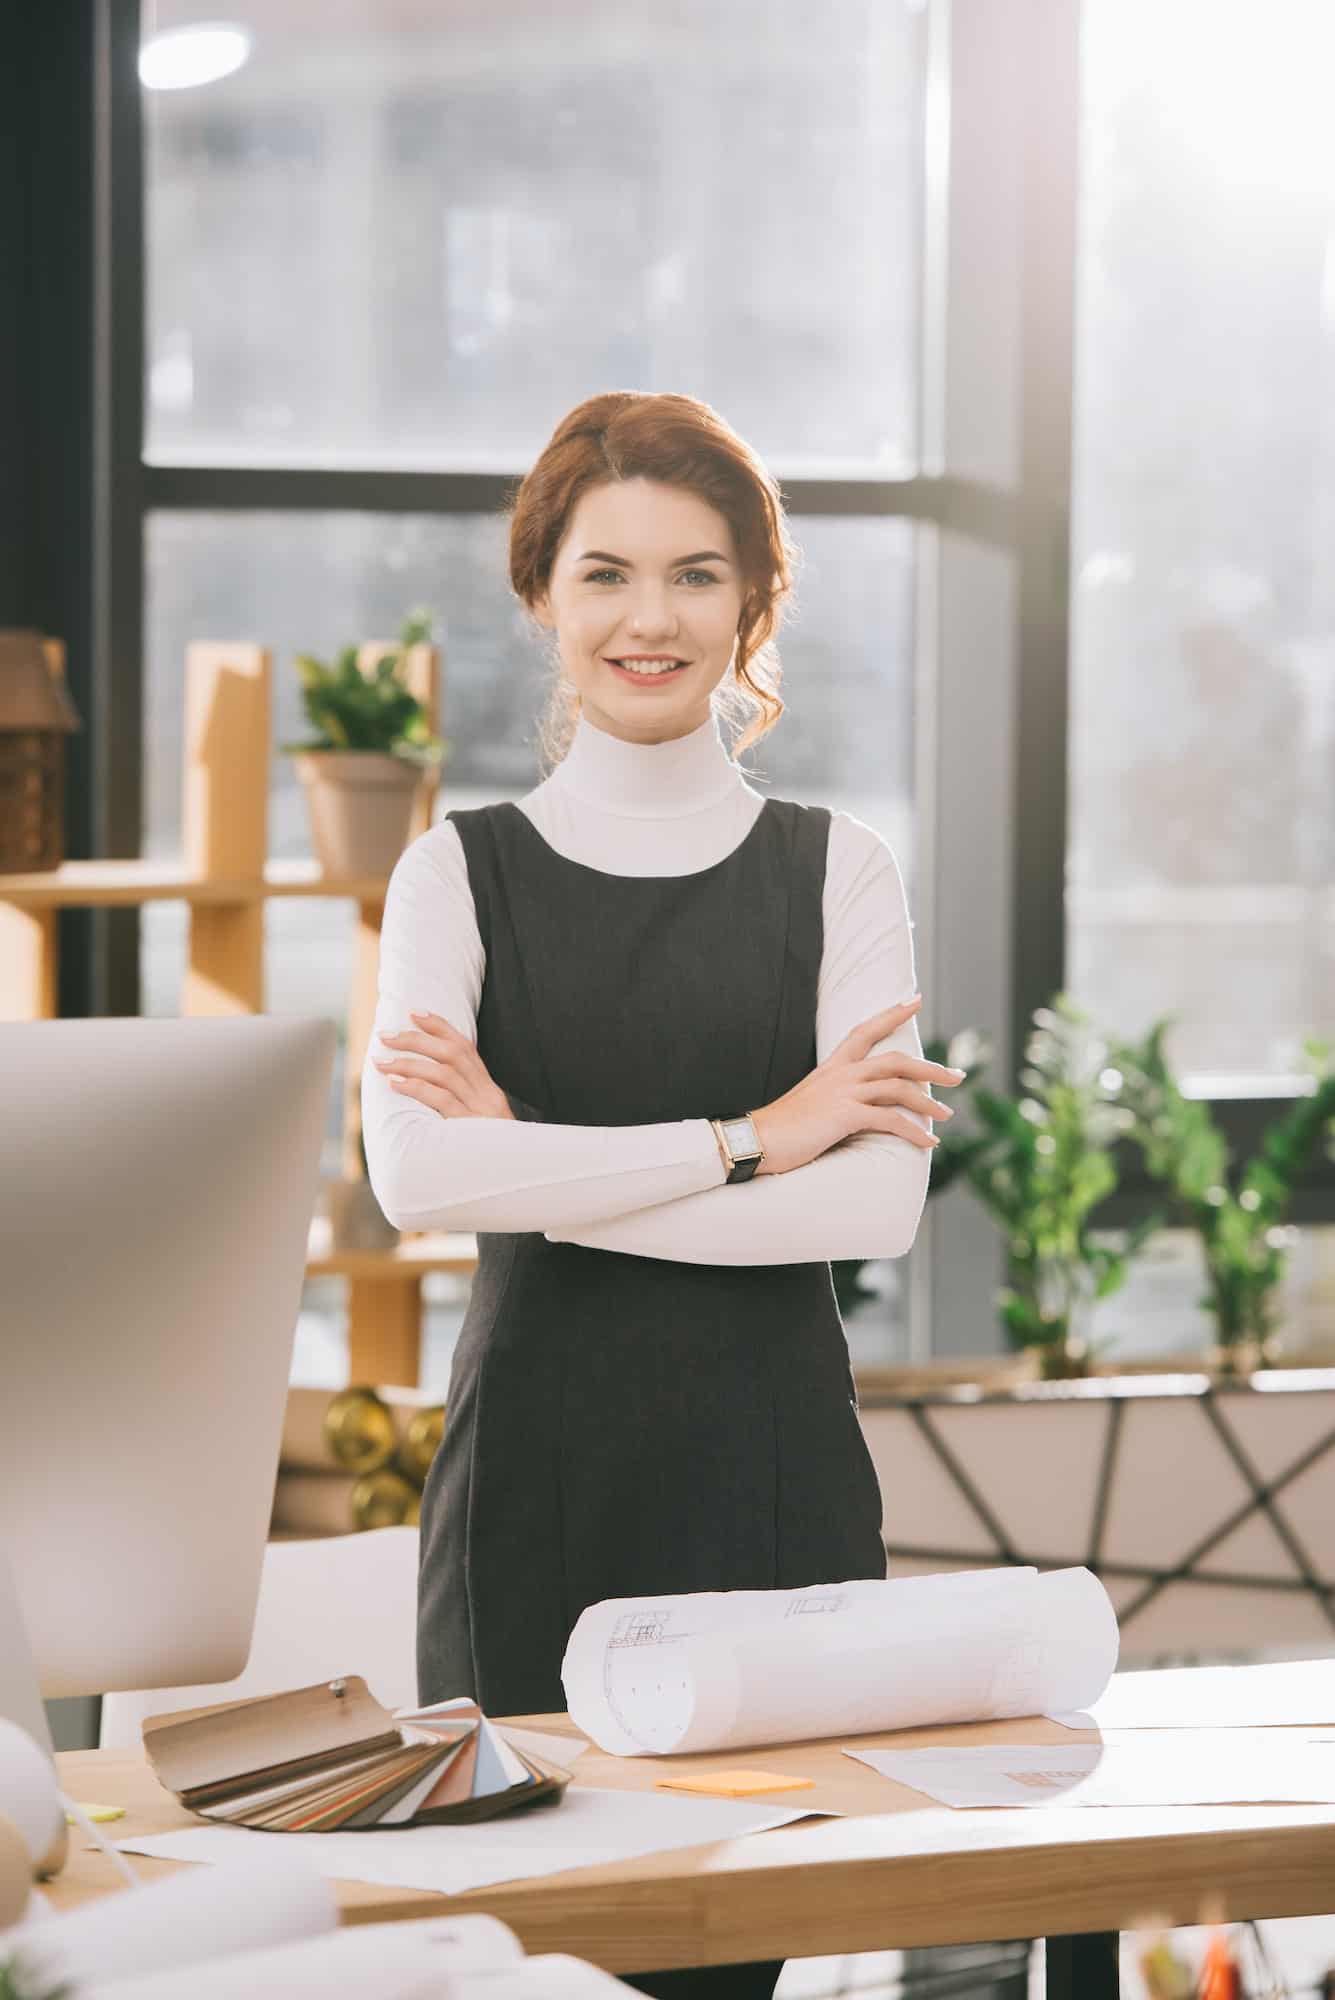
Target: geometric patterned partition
column 1208, row 1509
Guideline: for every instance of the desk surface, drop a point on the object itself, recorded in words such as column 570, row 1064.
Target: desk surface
column 898, row 1871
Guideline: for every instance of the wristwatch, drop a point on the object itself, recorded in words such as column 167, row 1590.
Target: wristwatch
column 739, row 1143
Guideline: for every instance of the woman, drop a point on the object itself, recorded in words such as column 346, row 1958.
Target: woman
column 651, row 1390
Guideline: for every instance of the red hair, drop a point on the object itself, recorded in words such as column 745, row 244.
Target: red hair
column 679, row 441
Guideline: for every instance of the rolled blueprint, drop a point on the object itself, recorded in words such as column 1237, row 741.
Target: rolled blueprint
column 30, row 1797
column 427, row 1958
column 714, row 1670
column 166, row 1925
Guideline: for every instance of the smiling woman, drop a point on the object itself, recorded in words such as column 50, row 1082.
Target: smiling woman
column 619, row 617
column 648, row 621
column 662, row 1057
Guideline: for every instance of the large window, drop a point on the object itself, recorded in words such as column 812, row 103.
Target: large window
column 387, row 254
column 1202, row 865
column 416, row 235
column 407, row 241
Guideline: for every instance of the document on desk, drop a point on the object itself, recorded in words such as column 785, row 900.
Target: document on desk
column 716, row 1670
column 444, row 1957
column 589, row 1826
column 1269, row 1694
column 1193, row 1767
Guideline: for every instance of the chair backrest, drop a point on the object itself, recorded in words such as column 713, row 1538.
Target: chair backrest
column 342, row 1604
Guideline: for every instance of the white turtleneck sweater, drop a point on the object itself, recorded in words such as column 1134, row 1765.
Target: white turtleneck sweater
column 649, row 1190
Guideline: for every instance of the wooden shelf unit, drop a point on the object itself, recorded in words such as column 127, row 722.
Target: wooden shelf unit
column 225, row 877
column 92, row 885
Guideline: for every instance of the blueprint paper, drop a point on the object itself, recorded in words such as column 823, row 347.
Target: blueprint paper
column 167, row 1925
column 1190, row 1768
column 1268, row 1694
column 431, row 1958
column 717, row 1670
column 589, row 1826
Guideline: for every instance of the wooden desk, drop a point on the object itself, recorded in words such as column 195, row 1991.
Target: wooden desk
column 899, row 1872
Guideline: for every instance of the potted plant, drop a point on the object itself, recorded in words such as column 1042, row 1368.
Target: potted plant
column 371, row 752
column 1240, row 1218
column 1041, row 1164
column 1048, row 1168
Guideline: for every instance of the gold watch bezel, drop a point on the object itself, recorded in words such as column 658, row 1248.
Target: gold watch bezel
column 730, row 1159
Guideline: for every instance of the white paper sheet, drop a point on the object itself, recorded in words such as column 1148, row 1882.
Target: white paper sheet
column 1278, row 1692
column 726, row 1669
column 550, row 1976
column 588, row 1827
column 169, row 1924
column 429, row 1958
column 1192, row 1767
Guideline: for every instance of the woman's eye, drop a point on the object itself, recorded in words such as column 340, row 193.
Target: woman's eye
column 596, row 574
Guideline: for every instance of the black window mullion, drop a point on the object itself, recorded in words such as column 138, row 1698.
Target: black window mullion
column 116, row 551
column 977, row 509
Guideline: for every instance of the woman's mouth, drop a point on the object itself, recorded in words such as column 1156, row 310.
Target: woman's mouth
column 651, row 671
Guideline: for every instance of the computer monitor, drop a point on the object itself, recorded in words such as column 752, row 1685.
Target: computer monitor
column 157, row 1181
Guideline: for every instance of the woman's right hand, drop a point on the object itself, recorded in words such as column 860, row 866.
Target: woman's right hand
column 852, row 1091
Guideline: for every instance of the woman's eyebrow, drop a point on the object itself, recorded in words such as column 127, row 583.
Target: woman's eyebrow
column 601, row 555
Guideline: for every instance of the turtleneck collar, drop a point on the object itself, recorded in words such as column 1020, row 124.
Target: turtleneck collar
column 648, row 780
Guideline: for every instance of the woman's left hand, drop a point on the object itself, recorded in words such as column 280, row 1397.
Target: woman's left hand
column 442, row 1069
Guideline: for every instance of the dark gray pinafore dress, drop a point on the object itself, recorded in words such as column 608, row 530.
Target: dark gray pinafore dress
column 617, row 1425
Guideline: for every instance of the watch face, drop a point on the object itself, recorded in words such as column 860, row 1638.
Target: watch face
column 740, row 1135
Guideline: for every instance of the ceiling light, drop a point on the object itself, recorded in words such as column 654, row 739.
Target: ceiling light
column 183, row 57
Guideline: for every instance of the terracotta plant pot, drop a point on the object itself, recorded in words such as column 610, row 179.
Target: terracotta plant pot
column 361, row 807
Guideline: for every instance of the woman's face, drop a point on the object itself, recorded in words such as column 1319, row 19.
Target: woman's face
column 644, row 569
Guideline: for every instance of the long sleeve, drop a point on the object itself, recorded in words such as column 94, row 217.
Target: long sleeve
column 861, row 1198
column 429, row 1172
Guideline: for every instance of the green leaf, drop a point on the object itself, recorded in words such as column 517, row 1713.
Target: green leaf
column 375, row 710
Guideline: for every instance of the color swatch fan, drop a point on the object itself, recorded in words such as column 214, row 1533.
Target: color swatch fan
column 329, row 1759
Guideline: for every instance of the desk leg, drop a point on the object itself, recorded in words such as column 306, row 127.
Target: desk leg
column 1083, row 1967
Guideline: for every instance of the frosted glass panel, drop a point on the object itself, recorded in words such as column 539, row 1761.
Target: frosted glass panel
column 1202, row 858
column 417, row 234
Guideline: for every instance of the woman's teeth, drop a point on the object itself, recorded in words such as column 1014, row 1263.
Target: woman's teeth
column 647, row 666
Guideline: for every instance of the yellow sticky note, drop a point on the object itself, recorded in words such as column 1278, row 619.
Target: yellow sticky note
column 735, row 1784
column 97, row 1812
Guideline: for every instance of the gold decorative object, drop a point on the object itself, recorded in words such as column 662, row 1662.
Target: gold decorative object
column 384, row 1499
column 359, row 1428
column 421, row 1440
